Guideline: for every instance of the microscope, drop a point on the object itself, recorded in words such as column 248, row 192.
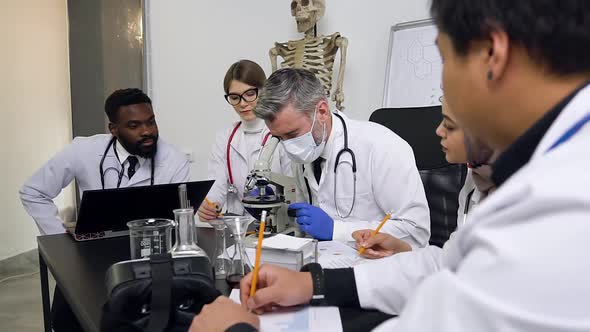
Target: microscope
column 275, row 203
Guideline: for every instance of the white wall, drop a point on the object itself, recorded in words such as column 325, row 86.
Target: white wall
column 35, row 107
column 191, row 46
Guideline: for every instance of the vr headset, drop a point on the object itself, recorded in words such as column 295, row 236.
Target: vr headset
column 157, row 294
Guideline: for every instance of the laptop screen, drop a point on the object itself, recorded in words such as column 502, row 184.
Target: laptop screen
column 111, row 209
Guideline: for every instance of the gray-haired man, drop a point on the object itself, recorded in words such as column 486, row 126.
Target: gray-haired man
column 327, row 148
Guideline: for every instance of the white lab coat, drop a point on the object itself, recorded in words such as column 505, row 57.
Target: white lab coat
column 218, row 169
column 411, row 268
column 475, row 199
column 520, row 263
column 387, row 180
column 80, row 161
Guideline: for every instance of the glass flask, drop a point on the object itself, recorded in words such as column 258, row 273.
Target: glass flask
column 186, row 234
column 221, row 259
column 239, row 264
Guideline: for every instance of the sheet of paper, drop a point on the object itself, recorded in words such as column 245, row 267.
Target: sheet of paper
column 298, row 319
column 281, row 241
column 334, row 254
column 341, row 262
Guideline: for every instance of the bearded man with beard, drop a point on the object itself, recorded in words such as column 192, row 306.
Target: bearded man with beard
column 131, row 155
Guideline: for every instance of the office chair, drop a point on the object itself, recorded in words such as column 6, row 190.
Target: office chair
column 442, row 181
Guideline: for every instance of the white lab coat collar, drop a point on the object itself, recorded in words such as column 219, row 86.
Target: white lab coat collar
column 238, row 143
column 253, row 126
column 110, row 158
column 124, row 154
column 111, row 161
column 328, row 154
column 142, row 173
column 573, row 112
column 337, row 131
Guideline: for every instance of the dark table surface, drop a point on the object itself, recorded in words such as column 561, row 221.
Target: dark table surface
column 79, row 268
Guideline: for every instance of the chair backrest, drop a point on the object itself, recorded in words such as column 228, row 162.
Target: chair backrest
column 442, row 181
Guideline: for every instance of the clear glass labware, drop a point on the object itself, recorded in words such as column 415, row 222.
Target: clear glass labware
column 239, row 264
column 220, row 258
column 186, row 234
column 149, row 236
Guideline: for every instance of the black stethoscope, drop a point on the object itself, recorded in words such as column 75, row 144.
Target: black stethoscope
column 467, row 205
column 231, row 189
column 352, row 164
column 112, row 143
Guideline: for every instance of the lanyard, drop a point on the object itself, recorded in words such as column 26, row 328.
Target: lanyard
column 570, row 132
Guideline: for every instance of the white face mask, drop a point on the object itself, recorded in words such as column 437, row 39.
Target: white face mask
column 303, row 149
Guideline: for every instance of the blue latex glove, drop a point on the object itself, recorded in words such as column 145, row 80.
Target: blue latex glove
column 314, row 221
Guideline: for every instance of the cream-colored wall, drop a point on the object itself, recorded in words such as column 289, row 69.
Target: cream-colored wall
column 35, row 107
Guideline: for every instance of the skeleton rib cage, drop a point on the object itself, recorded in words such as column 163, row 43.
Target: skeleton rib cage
column 314, row 54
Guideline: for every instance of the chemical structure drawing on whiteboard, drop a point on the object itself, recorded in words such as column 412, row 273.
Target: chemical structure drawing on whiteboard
column 414, row 66
column 423, row 55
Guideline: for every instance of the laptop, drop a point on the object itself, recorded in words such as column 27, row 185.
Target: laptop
column 105, row 213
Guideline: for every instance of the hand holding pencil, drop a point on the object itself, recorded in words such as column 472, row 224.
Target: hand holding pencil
column 209, row 210
column 270, row 286
column 372, row 244
column 383, row 221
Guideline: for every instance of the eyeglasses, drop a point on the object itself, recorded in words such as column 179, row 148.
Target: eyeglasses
column 248, row 96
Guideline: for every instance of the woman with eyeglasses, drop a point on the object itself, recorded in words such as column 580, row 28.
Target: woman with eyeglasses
column 237, row 148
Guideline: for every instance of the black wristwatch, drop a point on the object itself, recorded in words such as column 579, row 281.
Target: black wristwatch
column 317, row 279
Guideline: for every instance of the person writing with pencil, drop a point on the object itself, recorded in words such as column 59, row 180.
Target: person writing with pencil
column 515, row 75
column 237, row 147
column 459, row 146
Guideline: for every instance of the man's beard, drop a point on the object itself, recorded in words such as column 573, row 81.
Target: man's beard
column 138, row 149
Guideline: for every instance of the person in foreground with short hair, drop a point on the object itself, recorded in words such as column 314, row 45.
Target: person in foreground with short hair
column 516, row 75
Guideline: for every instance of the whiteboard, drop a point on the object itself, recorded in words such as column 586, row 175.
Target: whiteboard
column 414, row 66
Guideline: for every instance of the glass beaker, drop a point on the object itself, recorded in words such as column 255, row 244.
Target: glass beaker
column 239, row 264
column 149, row 236
column 220, row 258
column 186, row 234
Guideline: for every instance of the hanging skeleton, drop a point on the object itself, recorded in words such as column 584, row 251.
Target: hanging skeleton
column 313, row 52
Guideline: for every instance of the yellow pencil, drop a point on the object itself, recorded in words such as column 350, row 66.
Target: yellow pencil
column 213, row 206
column 258, row 253
column 210, row 203
column 387, row 216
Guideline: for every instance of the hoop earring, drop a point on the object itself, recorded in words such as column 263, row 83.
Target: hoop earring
column 490, row 75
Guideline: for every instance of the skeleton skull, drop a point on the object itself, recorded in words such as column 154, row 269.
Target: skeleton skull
column 307, row 13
